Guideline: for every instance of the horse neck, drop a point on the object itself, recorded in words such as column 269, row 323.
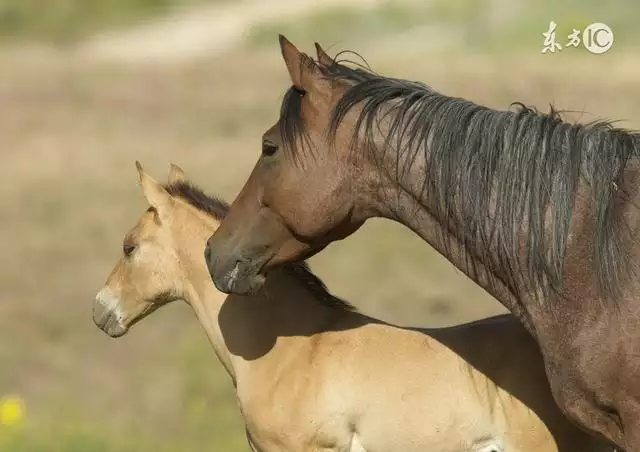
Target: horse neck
column 402, row 201
column 249, row 331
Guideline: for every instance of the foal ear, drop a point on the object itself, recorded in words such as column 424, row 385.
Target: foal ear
column 323, row 58
column 302, row 69
column 156, row 195
column 176, row 175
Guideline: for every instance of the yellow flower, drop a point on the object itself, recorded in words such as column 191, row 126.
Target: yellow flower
column 11, row 410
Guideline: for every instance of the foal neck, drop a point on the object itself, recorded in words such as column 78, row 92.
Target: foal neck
column 275, row 322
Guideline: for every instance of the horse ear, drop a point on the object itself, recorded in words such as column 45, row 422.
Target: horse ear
column 156, row 195
column 323, row 58
column 176, row 174
column 302, row 69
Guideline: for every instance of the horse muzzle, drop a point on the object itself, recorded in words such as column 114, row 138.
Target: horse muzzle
column 233, row 276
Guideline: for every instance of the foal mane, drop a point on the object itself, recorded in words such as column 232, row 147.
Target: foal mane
column 218, row 209
column 494, row 174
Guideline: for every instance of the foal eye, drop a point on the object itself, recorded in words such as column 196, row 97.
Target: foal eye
column 128, row 248
column 268, row 148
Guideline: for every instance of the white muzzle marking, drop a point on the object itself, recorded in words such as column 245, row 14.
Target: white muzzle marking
column 110, row 302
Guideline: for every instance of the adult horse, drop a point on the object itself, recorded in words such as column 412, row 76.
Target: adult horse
column 539, row 212
column 311, row 374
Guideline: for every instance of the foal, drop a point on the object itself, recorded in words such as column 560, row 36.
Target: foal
column 311, row 374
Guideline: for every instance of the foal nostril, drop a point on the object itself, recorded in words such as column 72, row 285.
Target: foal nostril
column 207, row 253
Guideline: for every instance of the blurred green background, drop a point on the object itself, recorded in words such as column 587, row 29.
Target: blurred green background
column 89, row 86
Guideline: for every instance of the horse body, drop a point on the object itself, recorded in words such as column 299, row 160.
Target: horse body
column 590, row 343
column 539, row 212
column 311, row 374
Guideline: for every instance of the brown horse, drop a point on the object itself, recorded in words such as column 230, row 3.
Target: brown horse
column 539, row 212
column 312, row 374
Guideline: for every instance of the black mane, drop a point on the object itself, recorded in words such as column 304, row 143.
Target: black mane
column 218, row 209
column 193, row 195
column 494, row 174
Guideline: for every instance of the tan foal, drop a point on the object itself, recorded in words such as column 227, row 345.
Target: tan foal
column 311, row 374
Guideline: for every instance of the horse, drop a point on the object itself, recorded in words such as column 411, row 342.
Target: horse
column 539, row 212
column 313, row 374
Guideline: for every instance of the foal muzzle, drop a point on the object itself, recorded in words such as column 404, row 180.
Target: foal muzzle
column 106, row 315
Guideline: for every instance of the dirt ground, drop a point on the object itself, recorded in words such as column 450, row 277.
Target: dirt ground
column 69, row 135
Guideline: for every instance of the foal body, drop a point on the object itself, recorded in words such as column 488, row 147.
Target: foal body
column 311, row 374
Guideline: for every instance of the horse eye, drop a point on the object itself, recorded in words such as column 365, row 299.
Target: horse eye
column 128, row 248
column 268, row 148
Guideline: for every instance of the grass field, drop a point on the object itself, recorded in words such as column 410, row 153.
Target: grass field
column 69, row 134
column 62, row 21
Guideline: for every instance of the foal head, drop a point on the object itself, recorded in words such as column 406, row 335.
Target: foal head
column 157, row 256
column 306, row 190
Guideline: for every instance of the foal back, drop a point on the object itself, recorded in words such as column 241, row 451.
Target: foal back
column 367, row 386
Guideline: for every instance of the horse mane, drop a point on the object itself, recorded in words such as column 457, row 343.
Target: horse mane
column 218, row 209
column 493, row 174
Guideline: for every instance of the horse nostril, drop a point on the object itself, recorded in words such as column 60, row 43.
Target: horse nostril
column 207, row 253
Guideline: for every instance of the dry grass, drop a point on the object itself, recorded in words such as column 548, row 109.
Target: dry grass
column 69, row 135
column 65, row 21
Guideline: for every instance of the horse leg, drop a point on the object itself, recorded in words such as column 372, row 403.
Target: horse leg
column 488, row 445
column 250, row 441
